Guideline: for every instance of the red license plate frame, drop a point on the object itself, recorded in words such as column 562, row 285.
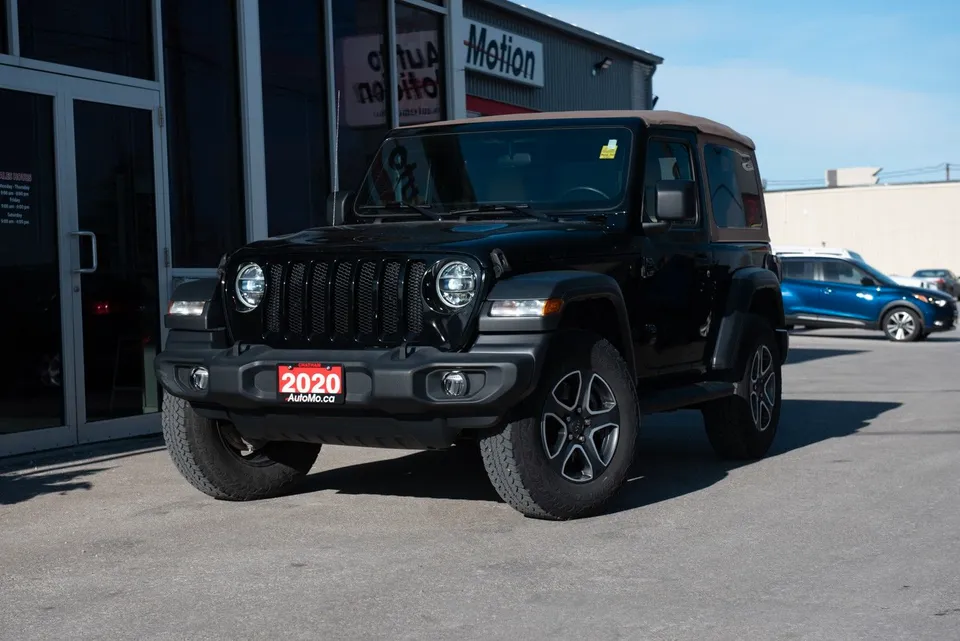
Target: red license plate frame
column 311, row 383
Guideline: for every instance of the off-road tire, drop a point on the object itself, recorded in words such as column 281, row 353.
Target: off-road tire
column 915, row 322
column 208, row 463
column 731, row 428
column 514, row 455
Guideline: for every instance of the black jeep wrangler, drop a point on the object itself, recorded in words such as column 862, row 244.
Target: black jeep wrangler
column 530, row 285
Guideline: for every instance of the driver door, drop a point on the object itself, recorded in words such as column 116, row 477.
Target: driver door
column 848, row 294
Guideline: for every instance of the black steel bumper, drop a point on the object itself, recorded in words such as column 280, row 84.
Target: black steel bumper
column 393, row 397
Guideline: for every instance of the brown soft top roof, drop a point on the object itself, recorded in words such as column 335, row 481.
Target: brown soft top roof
column 650, row 118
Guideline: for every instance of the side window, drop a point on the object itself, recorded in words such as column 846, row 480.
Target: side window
column 733, row 187
column 842, row 272
column 799, row 269
column 666, row 160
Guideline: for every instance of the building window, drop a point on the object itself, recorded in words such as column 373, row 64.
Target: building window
column 295, row 102
column 362, row 91
column 113, row 36
column 203, row 127
column 734, row 189
column 4, row 46
column 420, row 70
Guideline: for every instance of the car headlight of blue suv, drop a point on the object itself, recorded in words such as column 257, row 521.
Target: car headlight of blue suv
column 939, row 302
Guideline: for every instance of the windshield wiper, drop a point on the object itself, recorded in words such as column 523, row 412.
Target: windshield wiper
column 520, row 210
column 400, row 204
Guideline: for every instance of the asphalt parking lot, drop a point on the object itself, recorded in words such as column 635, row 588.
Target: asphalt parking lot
column 850, row 530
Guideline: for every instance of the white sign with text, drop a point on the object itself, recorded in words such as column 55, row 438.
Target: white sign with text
column 503, row 54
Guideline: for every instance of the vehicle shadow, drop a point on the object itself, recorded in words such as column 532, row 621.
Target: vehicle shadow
column 866, row 335
column 674, row 459
column 28, row 476
column 806, row 354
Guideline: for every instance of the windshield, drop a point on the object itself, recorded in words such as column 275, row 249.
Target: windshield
column 557, row 169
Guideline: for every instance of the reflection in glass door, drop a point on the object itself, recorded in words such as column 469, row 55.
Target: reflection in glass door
column 117, row 235
column 32, row 380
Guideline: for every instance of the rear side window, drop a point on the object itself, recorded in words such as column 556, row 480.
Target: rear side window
column 735, row 191
column 798, row 269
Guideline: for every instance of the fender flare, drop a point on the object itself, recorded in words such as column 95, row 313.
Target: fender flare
column 744, row 286
column 568, row 285
column 901, row 302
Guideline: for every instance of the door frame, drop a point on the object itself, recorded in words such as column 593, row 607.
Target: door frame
column 65, row 90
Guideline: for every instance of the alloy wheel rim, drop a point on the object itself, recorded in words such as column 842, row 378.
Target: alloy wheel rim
column 763, row 388
column 580, row 426
column 901, row 325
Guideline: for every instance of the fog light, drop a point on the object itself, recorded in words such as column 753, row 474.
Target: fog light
column 938, row 323
column 199, row 378
column 455, row 383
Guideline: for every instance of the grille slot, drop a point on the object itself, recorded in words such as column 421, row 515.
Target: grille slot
column 371, row 301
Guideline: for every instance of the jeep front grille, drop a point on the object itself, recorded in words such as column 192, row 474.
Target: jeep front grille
column 371, row 301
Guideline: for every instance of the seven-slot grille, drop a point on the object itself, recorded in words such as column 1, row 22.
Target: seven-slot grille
column 375, row 301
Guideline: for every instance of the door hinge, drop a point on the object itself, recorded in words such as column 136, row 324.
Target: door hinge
column 160, row 115
column 166, row 256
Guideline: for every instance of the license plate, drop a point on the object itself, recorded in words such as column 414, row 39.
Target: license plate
column 311, row 383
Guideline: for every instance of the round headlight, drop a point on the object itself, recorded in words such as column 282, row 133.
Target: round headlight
column 250, row 285
column 456, row 284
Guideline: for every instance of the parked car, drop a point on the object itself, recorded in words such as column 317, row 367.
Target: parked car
column 798, row 250
column 526, row 285
column 944, row 279
column 832, row 292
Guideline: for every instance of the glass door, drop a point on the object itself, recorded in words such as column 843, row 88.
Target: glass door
column 34, row 409
column 119, row 276
column 82, row 232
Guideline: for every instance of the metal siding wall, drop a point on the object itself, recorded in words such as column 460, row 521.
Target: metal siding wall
column 567, row 65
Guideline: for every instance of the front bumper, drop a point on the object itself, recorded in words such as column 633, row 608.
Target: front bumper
column 943, row 318
column 389, row 393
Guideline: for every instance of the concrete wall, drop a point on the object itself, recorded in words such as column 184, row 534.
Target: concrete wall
column 567, row 66
column 897, row 228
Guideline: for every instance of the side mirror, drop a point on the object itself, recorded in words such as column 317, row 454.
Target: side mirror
column 676, row 200
column 866, row 281
column 337, row 204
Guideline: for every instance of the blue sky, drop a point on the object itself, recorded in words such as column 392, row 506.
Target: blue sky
column 817, row 84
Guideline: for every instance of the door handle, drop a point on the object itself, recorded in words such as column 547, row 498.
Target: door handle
column 93, row 250
column 827, row 290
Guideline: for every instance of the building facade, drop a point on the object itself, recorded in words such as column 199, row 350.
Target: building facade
column 146, row 138
column 897, row 228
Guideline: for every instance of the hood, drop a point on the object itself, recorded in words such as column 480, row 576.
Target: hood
column 521, row 242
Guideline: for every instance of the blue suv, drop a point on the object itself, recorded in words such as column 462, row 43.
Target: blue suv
column 822, row 292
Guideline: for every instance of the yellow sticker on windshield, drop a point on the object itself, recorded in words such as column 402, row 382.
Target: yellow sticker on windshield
column 609, row 150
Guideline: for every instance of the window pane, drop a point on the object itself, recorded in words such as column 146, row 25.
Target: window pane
column 359, row 31
column 114, row 36
column 420, row 71
column 838, row 271
column 798, row 269
column 3, row 28
column 550, row 169
column 734, row 188
column 31, row 386
column 203, row 130
column 665, row 161
column 295, row 113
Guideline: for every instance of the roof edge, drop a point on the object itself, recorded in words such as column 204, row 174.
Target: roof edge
column 575, row 31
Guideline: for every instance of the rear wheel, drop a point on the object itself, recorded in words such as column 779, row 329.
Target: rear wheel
column 215, row 459
column 743, row 426
column 902, row 325
column 570, row 451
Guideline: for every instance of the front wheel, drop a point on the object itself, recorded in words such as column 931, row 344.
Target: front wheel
column 215, row 459
column 902, row 325
column 570, row 451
